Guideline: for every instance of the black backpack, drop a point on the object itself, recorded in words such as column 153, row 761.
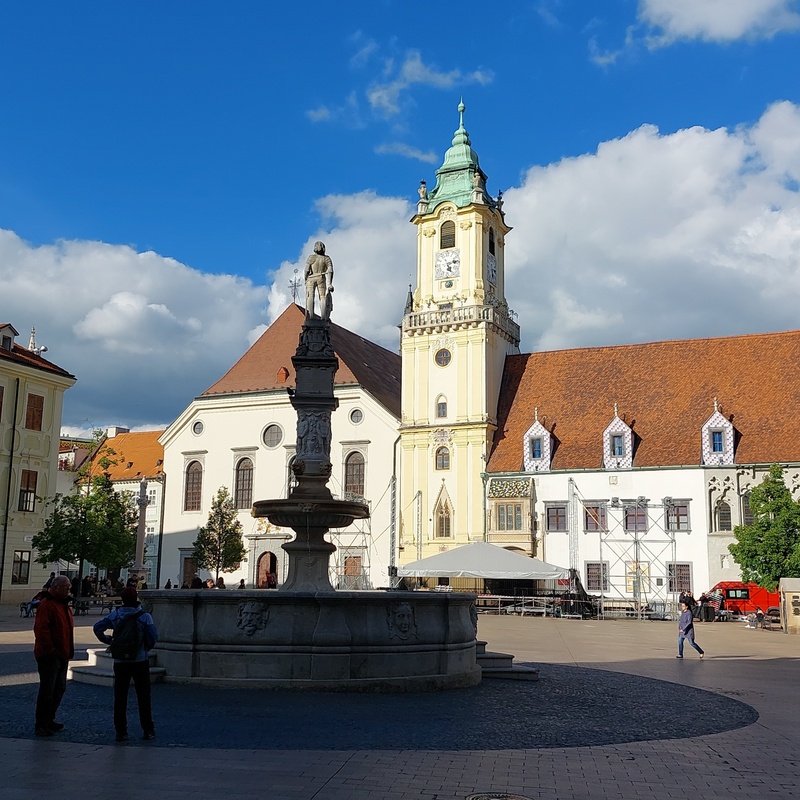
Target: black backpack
column 128, row 637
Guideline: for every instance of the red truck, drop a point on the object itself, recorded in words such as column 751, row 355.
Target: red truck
column 743, row 598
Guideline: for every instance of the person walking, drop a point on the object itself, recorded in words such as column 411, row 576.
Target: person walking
column 686, row 631
column 54, row 646
column 133, row 666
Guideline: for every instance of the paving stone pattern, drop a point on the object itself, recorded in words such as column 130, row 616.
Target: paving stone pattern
column 568, row 707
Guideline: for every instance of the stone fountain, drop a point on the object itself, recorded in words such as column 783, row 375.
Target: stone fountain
column 306, row 635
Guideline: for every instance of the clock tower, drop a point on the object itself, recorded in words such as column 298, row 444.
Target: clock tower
column 456, row 333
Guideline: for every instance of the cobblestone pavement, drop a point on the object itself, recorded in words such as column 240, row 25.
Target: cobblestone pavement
column 613, row 715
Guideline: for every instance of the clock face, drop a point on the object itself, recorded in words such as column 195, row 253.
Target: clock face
column 448, row 263
column 491, row 268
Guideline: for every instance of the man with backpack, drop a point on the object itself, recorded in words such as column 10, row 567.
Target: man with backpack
column 133, row 636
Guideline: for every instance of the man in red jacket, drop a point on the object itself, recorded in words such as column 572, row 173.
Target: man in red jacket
column 53, row 647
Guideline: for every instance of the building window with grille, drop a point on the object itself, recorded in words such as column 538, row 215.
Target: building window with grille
column 244, row 483
column 635, row 519
column 678, row 516
column 556, row 518
column 447, row 235
column 597, row 576
column 151, row 497
column 194, row 487
column 617, row 445
column 442, row 458
column 717, row 442
column 441, row 408
column 594, row 518
column 21, row 567
column 27, row 490
column 34, row 412
column 724, row 521
column 747, row 512
column 354, row 474
column 509, row 517
column 443, row 521
column 536, row 448
column 679, row 577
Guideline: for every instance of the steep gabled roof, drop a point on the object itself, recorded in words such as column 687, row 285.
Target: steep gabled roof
column 362, row 362
column 664, row 390
column 138, row 455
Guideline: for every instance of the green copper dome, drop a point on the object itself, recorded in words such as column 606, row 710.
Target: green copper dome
column 455, row 179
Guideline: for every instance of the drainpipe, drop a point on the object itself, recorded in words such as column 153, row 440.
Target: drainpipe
column 485, row 479
column 8, row 488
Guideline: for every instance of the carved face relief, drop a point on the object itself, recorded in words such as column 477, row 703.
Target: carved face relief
column 253, row 617
column 402, row 624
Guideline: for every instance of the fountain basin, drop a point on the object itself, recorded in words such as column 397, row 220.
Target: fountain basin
column 311, row 512
column 334, row 641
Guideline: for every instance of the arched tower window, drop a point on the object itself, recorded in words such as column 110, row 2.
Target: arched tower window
column 442, row 458
column 491, row 240
column 354, row 474
column 244, row 483
column 441, row 406
column 447, row 235
column 443, row 519
column 193, row 487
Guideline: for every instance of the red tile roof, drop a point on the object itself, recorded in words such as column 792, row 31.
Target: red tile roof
column 138, row 455
column 665, row 392
column 268, row 365
column 21, row 355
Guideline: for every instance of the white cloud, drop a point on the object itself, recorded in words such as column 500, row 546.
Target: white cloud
column 689, row 234
column 695, row 233
column 717, row 20
column 142, row 333
column 385, row 98
column 405, row 150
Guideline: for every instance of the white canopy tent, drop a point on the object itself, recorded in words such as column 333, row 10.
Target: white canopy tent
column 482, row 560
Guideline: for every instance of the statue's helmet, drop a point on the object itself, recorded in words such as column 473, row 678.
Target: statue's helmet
column 319, row 248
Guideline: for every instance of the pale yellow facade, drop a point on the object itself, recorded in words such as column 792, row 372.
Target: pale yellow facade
column 455, row 337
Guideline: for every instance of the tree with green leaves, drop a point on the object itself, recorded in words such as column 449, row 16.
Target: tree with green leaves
column 769, row 548
column 219, row 546
column 98, row 526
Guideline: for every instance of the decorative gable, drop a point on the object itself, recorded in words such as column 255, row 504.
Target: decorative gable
column 537, row 447
column 717, row 438
column 617, row 444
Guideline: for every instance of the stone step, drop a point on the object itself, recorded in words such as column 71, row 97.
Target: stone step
column 517, row 672
column 98, row 669
column 489, row 660
column 480, row 647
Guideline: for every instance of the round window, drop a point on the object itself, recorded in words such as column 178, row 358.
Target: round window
column 273, row 435
column 197, row 428
column 356, row 415
column 443, row 357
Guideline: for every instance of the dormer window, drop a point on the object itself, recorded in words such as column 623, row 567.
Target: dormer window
column 617, row 444
column 7, row 342
column 537, row 444
column 7, row 334
column 717, row 438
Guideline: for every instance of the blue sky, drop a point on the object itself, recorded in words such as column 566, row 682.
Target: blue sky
column 165, row 166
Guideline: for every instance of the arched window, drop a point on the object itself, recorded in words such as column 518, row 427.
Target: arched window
column 443, row 521
column 723, row 517
column 442, row 458
column 747, row 512
column 441, row 407
column 491, row 240
column 447, row 235
column 244, row 483
column 194, row 487
column 354, row 474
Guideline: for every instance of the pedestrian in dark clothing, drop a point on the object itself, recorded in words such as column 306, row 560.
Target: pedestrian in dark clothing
column 136, row 669
column 54, row 646
column 686, row 631
column 49, row 581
